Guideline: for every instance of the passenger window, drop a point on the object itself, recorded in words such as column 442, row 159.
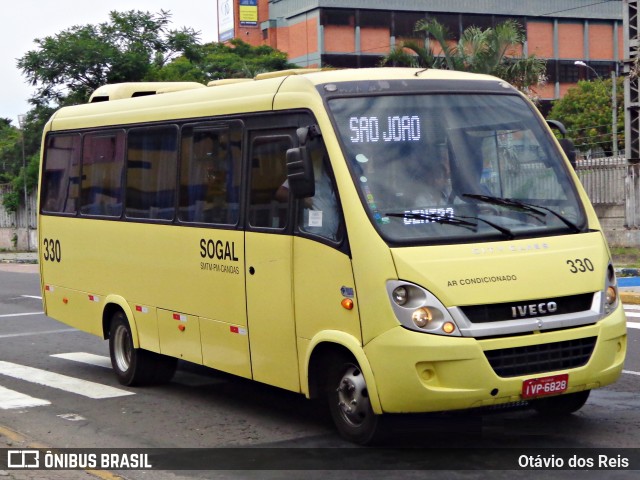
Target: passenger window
column 151, row 172
column 210, row 175
column 267, row 208
column 102, row 165
column 61, row 174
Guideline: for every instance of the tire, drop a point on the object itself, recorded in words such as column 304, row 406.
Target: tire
column 562, row 404
column 349, row 403
column 135, row 366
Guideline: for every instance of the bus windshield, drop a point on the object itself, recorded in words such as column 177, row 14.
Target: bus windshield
column 451, row 168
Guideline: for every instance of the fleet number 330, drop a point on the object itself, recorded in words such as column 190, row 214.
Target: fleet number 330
column 52, row 251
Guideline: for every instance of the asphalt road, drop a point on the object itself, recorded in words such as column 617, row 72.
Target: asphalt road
column 202, row 408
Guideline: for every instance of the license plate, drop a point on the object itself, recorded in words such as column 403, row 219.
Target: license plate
column 538, row 387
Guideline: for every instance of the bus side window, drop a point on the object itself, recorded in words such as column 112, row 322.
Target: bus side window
column 210, row 175
column 61, row 174
column 102, row 166
column 267, row 209
column 151, row 172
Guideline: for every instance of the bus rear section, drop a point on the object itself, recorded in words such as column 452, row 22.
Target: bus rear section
column 394, row 240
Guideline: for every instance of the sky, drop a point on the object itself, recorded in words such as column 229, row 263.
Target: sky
column 26, row 20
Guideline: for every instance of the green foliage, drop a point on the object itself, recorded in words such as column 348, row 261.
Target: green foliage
column 214, row 61
column 586, row 112
column 10, row 151
column 131, row 46
column 493, row 51
column 73, row 63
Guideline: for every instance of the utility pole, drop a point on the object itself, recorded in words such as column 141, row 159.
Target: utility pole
column 22, row 123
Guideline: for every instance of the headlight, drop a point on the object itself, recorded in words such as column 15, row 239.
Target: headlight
column 610, row 291
column 421, row 317
column 400, row 295
column 418, row 309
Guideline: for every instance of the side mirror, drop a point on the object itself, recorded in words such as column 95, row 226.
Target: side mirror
column 569, row 150
column 300, row 173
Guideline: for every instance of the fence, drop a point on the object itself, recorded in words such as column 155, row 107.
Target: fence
column 18, row 230
column 604, row 179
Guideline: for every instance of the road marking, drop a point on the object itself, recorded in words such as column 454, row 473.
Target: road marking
column 21, row 314
column 88, row 358
column 630, row 372
column 12, row 399
column 37, row 297
column 181, row 377
column 631, row 307
column 61, row 382
column 45, row 332
column 633, row 325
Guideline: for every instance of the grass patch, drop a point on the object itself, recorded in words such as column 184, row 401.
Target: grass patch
column 625, row 257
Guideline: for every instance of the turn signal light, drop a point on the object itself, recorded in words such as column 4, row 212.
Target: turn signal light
column 347, row 303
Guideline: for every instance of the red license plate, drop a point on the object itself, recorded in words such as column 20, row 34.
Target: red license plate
column 538, row 387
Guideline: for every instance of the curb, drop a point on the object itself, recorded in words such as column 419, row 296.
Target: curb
column 631, row 298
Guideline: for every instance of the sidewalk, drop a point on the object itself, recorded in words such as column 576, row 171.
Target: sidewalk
column 18, row 257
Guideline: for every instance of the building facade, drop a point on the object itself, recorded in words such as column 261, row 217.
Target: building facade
column 359, row 33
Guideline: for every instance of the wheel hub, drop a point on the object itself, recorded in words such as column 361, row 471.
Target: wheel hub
column 353, row 398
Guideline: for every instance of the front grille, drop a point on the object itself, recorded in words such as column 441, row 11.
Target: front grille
column 545, row 357
column 498, row 312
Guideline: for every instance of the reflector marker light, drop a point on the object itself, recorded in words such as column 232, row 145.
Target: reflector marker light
column 347, row 303
column 238, row 330
column 48, row 288
column 180, row 317
column 94, row 298
column 142, row 309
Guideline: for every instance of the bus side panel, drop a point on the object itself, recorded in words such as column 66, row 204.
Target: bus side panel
column 225, row 347
column 75, row 308
column 323, row 278
column 179, row 335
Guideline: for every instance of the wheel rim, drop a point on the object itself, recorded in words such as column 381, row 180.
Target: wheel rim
column 122, row 348
column 353, row 397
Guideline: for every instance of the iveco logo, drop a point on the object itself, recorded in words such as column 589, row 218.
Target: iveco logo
column 534, row 309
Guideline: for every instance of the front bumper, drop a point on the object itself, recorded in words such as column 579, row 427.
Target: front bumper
column 417, row 372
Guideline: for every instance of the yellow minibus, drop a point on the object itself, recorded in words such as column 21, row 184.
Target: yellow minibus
column 395, row 240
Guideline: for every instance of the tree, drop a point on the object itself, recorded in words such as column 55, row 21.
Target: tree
column 70, row 65
column 213, row 61
column 586, row 112
column 493, row 51
column 131, row 46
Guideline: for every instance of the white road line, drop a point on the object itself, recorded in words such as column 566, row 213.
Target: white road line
column 84, row 357
column 61, row 382
column 633, row 325
column 12, row 399
column 32, row 296
column 631, row 307
column 45, row 332
column 630, row 372
column 183, row 378
column 21, row 314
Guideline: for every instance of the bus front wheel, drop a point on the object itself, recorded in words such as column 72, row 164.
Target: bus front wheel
column 349, row 403
column 561, row 404
column 134, row 366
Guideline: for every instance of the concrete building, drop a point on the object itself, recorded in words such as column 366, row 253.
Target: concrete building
column 358, row 33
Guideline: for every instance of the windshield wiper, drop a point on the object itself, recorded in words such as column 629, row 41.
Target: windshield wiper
column 527, row 207
column 448, row 219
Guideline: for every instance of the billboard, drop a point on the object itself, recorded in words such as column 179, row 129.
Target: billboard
column 226, row 23
column 248, row 13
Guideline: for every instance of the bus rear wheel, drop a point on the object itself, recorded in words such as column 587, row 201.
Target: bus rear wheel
column 562, row 404
column 135, row 366
column 349, row 403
